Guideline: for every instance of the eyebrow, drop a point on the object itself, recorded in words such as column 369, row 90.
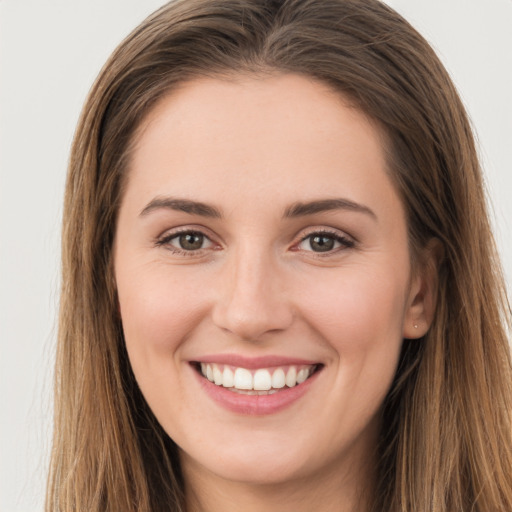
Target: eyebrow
column 182, row 205
column 324, row 205
column 298, row 209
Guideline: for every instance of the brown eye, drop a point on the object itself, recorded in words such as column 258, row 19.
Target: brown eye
column 190, row 241
column 186, row 241
column 321, row 243
column 325, row 242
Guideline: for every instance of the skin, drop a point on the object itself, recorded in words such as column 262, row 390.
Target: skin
column 252, row 147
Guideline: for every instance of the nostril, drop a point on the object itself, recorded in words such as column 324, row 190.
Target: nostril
column 250, row 321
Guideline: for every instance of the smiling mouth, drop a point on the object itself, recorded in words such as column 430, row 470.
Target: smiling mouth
column 262, row 381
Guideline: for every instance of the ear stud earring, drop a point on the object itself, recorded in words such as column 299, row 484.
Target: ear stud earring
column 415, row 326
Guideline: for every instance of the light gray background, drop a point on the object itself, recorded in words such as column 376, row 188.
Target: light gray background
column 50, row 52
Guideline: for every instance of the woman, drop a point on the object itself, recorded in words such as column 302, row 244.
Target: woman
column 280, row 286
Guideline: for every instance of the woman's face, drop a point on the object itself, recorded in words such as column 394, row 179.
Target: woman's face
column 262, row 245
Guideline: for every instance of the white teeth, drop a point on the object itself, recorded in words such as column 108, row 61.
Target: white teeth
column 228, row 378
column 243, row 379
column 263, row 381
column 302, row 376
column 291, row 377
column 278, row 379
column 217, row 376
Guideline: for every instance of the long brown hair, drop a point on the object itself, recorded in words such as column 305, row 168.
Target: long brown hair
column 446, row 443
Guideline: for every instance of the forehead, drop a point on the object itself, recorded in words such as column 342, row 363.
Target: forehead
column 292, row 134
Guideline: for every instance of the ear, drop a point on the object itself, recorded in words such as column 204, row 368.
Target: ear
column 422, row 297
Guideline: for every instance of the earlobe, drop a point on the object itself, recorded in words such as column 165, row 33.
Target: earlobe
column 419, row 313
column 423, row 293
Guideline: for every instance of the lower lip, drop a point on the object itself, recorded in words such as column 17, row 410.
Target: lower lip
column 256, row 405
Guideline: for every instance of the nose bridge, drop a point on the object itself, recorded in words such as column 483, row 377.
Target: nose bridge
column 252, row 299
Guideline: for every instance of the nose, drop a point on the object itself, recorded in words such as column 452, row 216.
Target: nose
column 252, row 299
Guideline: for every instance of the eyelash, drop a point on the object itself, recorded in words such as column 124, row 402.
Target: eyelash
column 343, row 241
column 166, row 240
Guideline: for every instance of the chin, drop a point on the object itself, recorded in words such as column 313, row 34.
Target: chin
column 254, row 467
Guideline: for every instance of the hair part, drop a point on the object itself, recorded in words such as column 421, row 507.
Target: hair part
column 446, row 440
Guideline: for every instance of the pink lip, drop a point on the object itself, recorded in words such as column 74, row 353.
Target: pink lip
column 252, row 363
column 255, row 405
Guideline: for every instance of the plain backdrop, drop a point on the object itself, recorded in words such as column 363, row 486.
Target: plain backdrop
column 50, row 53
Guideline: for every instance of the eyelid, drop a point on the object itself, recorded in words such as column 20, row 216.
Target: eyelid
column 186, row 228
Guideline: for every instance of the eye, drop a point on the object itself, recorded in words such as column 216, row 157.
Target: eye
column 186, row 241
column 324, row 242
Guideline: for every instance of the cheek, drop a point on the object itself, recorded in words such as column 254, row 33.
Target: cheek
column 359, row 314
column 157, row 311
column 356, row 310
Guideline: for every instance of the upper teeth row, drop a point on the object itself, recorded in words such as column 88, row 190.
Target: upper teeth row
column 263, row 379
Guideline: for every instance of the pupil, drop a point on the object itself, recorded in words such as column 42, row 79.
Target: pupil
column 321, row 243
column 191, row 241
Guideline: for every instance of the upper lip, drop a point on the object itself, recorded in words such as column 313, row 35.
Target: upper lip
column 239, row 361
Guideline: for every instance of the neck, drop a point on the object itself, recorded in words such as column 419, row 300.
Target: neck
column 250, row 498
